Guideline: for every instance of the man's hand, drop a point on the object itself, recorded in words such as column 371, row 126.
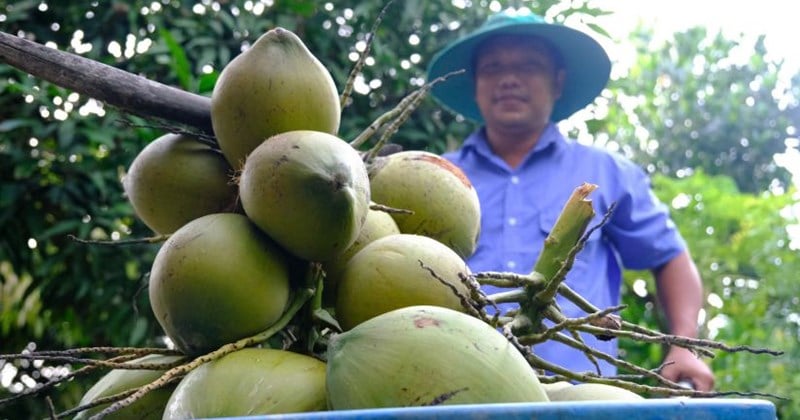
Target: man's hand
column 680, row 292
column 683, row 365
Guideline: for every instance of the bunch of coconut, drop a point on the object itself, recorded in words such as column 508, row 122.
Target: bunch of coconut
column 280, row 190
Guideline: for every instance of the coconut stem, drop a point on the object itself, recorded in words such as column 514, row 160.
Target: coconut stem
column 563, row 238
column 560, row 248
column 508, row 296
column 510, row 279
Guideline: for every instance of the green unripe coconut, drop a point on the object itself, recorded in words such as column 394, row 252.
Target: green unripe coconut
column 377, row 225
column 250, row 382
column 149, row 407
column 444, row 202
column 217, row 279
column 425, row 355
column 307, row 190
column 276, row 85
column 175, row 179
column 398, row 271
column 593, row 392
column 555, row 387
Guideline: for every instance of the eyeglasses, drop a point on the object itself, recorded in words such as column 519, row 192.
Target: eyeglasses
column 524, row 68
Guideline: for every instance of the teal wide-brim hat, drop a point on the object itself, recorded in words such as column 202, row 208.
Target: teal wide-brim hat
column 586, row 64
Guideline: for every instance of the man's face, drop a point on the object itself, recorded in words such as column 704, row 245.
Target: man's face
column 516, row 83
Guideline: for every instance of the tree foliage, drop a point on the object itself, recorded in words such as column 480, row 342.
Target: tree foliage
column 62, row 156
column 748, row 261
column 697, row 103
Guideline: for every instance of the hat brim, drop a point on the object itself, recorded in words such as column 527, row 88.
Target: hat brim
column 586, row 64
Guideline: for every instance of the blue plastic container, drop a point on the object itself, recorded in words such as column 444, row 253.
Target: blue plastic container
column 650, row 409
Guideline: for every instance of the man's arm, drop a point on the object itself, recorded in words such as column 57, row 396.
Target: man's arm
column 680, row 292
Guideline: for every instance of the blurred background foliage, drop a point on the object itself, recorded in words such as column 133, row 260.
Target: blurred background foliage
column 706, row 127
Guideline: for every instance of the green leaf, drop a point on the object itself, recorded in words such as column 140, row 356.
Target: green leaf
column 13, row 124
column 179, row 64
column 66, row 133
column 326, row 317
column 207, row 82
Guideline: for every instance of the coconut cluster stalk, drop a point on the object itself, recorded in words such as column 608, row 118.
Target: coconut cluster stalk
column 536, row 295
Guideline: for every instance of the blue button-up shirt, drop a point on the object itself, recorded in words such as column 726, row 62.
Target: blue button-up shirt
column 520, row 205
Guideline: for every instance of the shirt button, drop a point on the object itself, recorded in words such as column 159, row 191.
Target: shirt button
column 511, row 264
column 515, row 179
column 512, row 221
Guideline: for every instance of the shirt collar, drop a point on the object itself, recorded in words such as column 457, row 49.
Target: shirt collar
column 551, row 138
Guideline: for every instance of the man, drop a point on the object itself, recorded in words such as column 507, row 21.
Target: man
column 522, row 76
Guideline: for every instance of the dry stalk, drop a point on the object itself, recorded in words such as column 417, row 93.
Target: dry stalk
column 390, row 210
column 297, row 303
column 135, row 241
column 507, row 280
column 383, row 119
column 53, row 382
column 170, row 127
column 118, row 362
column 466, row 302
column 405, row 108
column 641, row 389
column 362, row 58
column 119, row 351
column 399, row 113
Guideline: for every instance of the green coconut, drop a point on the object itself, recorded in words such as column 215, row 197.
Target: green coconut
column 443, row 201
column 549, row 388
column 149, row 407
column 218, row 279
column 593, row 392
column 249, row 382
column 397, row 271
column 377, row 225
column 274, row 86
column 307, row 190
column 176, row 179
column 426, row 355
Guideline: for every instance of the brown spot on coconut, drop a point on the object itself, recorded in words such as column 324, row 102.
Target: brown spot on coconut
column 388, row 361
column 425, row 322
column 448, row 166
column 444, row 203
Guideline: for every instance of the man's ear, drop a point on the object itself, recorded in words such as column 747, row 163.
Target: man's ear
column 558, row 83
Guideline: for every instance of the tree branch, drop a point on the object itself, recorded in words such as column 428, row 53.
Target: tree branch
column 129, row 92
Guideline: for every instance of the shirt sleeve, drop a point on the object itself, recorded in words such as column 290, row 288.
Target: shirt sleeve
column 641, row 230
